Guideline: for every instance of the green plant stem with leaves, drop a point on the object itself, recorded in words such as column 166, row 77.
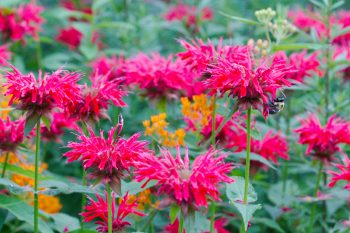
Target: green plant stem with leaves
column 36, row 178
column 110, row 219
column 247, row 163
column 5, row 165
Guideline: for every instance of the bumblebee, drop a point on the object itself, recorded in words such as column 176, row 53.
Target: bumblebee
column 276, row 105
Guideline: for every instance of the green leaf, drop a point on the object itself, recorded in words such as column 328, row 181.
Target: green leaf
column 21, row 171
column 97, row 4
column 174, row 210
column 235, row 190
column 297, row 46
column 55, row 187
column 255, row 157
column 13, row 187
column 3, row 215
column 283, row 198
column 115, row 25
column 243, row 20
column 246, row 211
column 337, row 5
column 135, row 187
column 23, row 212
column 256, row 134
column 269, row 223
column 46, row 121
column 64, row 221
column 31, row 120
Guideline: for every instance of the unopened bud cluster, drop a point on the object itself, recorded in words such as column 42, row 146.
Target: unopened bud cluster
column 259, row 47
column 281, row 29
column 265, row 15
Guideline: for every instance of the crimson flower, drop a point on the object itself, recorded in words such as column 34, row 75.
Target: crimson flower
column 252, row 87
column 24, row 20
column 188, row 185
column 111, row 67
column 323, row 141
column 70, row 36
column 157, row 75
column 98, row 210
column 92, row 101
column 342, row 174
column 107, row 158
column 11, row 134
column 5, row 55
column 41, row 95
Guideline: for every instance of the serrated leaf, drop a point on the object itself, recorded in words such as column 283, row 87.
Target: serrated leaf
column 174, row 210
column 243, row 20
column 246, row 211
column 23, row 212
column 235, row 190
column 31, row 120
column 255, row 157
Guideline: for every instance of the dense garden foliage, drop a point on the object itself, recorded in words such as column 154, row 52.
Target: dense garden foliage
column 174, row 116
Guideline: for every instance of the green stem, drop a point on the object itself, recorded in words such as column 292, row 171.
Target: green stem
column 83, row 202
column 5, row 165
column 110, row 219
column 212, row 218
column 213, row 123
column 314, row 205
column 38, row 54
column 36, row 178
column 247, row 161
column 181, row 223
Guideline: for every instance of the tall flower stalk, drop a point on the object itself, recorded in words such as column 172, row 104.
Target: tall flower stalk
column 36, row 178
column 110, row 217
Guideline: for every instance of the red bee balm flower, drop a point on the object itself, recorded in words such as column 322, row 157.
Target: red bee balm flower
column 43, row 94
column 70, row 36
column 187, row 185
column 253, row 88
column 98, row 210
column 323, row 141
column 343, row 174
column 107, row 159
column 11, row 134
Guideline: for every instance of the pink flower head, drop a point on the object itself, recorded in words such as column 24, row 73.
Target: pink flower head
column 343, row 173
column 252, row 87
column 111, row 67
column 159, row 76
column 323, row 141
column 5, row 55
column 25, row 20
column 93, row 100
column 60, row 121
column 70, row 36
column 11, row 134
column 98, row 211
column 43, row 94
column 304, row 65
column 107, row 158
column 186, row 184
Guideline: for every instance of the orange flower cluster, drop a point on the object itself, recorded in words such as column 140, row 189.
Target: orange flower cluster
column 143, row 199
column 157, row 128
column 4, row 101
column 198, row 111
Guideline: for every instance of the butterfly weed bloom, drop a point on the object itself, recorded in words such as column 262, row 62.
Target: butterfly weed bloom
column 98, row 210
column 40, row 96
column 323, row 141
column 342, row 173
column 157, row 129
column 253, row 87
column 11, row 134
column 189, row 186
column 107, row 159
column 158, row 76
column 15, row 24
column 92, row 101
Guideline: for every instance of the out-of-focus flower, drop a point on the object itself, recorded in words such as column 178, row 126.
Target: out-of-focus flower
column 12, row 159
column 110, row 67
column 11, row 134
column 157, row 128
column 143, row 200
column 59, row 123
column 92, row 101
column 98, row 210
column 187, row 185
column 24, row 20
column 41, row 95
column 304, row 65
column 252, row 87
column 70, row 36
column 109, row 158
column 197, row 114
column 4, row 102
column 5, row 55
column 24, row 180
column 160, row 77
column 190, row 15
column 323, row 141
column 343, row 173
column 48, row 204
